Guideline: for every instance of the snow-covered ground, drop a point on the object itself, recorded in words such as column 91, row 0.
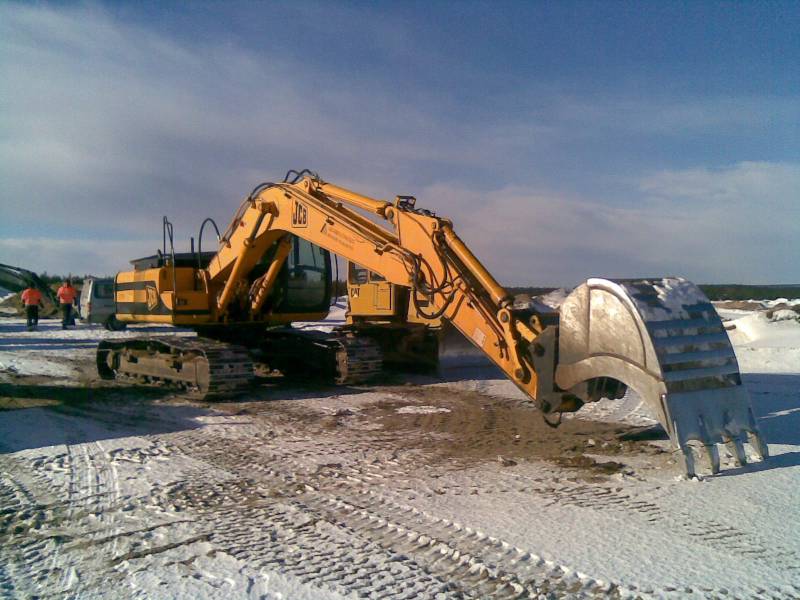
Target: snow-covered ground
column 434, row 489
column 54, row 352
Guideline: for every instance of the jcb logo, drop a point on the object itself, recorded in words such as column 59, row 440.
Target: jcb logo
column 152, row 297
column 299, row 215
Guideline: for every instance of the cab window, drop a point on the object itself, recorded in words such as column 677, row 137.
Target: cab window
column 358, row 275
column 103, row 290
column 308, row 273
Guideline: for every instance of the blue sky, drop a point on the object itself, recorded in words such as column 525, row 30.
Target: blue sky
column 565, row 140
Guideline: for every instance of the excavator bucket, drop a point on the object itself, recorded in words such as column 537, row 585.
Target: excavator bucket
column 664, row 339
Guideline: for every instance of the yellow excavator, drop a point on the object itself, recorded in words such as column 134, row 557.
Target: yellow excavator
column 409, row 281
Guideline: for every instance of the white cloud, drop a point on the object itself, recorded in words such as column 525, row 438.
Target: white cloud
column 105, row 126
column 75, row 257
column 776, row 186
column 736, row 224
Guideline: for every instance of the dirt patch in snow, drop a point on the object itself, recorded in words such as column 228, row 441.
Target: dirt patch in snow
column 478, row 428
column 459, row 429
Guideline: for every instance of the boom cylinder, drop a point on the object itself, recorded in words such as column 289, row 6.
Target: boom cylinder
column 238, row 267
column 267, row 281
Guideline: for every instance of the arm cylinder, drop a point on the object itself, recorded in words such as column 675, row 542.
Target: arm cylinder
column 496, row 291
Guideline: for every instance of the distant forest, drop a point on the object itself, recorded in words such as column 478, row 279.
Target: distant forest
column 713, row 291
column 75, row 279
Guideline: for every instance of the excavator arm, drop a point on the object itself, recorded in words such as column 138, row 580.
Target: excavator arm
column 660, row 337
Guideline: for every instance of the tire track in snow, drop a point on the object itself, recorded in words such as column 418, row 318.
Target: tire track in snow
column 713, row 533
column 596, row 496
column 470, row 563
column 25, row 547
column 92, row 492
column 304, row 467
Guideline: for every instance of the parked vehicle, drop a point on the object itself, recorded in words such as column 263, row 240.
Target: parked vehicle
column 16, row 279
column 97, row 303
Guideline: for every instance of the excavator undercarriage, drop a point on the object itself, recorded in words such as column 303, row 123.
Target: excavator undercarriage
column 212, row 369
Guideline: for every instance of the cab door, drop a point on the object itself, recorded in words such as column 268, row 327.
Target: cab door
column 382, row 293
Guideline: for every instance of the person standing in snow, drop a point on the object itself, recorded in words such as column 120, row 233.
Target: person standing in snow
column 32, row 299
column 66, row 296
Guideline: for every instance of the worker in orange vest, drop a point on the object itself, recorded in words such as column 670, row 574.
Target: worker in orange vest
column 32, row 299
column 66, row 296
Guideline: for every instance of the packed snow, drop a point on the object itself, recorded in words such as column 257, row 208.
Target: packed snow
column 421, row 410
column 419, row 489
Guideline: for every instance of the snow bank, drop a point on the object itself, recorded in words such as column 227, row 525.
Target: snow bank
column 779, row 301
column 767, row 345
column 785, row 314
column 550, row 301
column 674, row 295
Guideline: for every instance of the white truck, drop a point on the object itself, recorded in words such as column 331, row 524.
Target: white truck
column 97, row 303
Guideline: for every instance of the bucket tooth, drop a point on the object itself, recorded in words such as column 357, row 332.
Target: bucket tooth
column 664, row 339
column 687, row 455
column 760, row 449
column 713, row 457
column 736, row 448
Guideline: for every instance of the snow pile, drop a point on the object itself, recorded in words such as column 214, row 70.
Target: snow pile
column 765, row 344
column 779, row 301
column 5, row 294
column 674, row 295
column 550, row 301
column 785, row 314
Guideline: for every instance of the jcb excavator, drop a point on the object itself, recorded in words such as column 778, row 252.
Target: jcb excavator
column 661, row 337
